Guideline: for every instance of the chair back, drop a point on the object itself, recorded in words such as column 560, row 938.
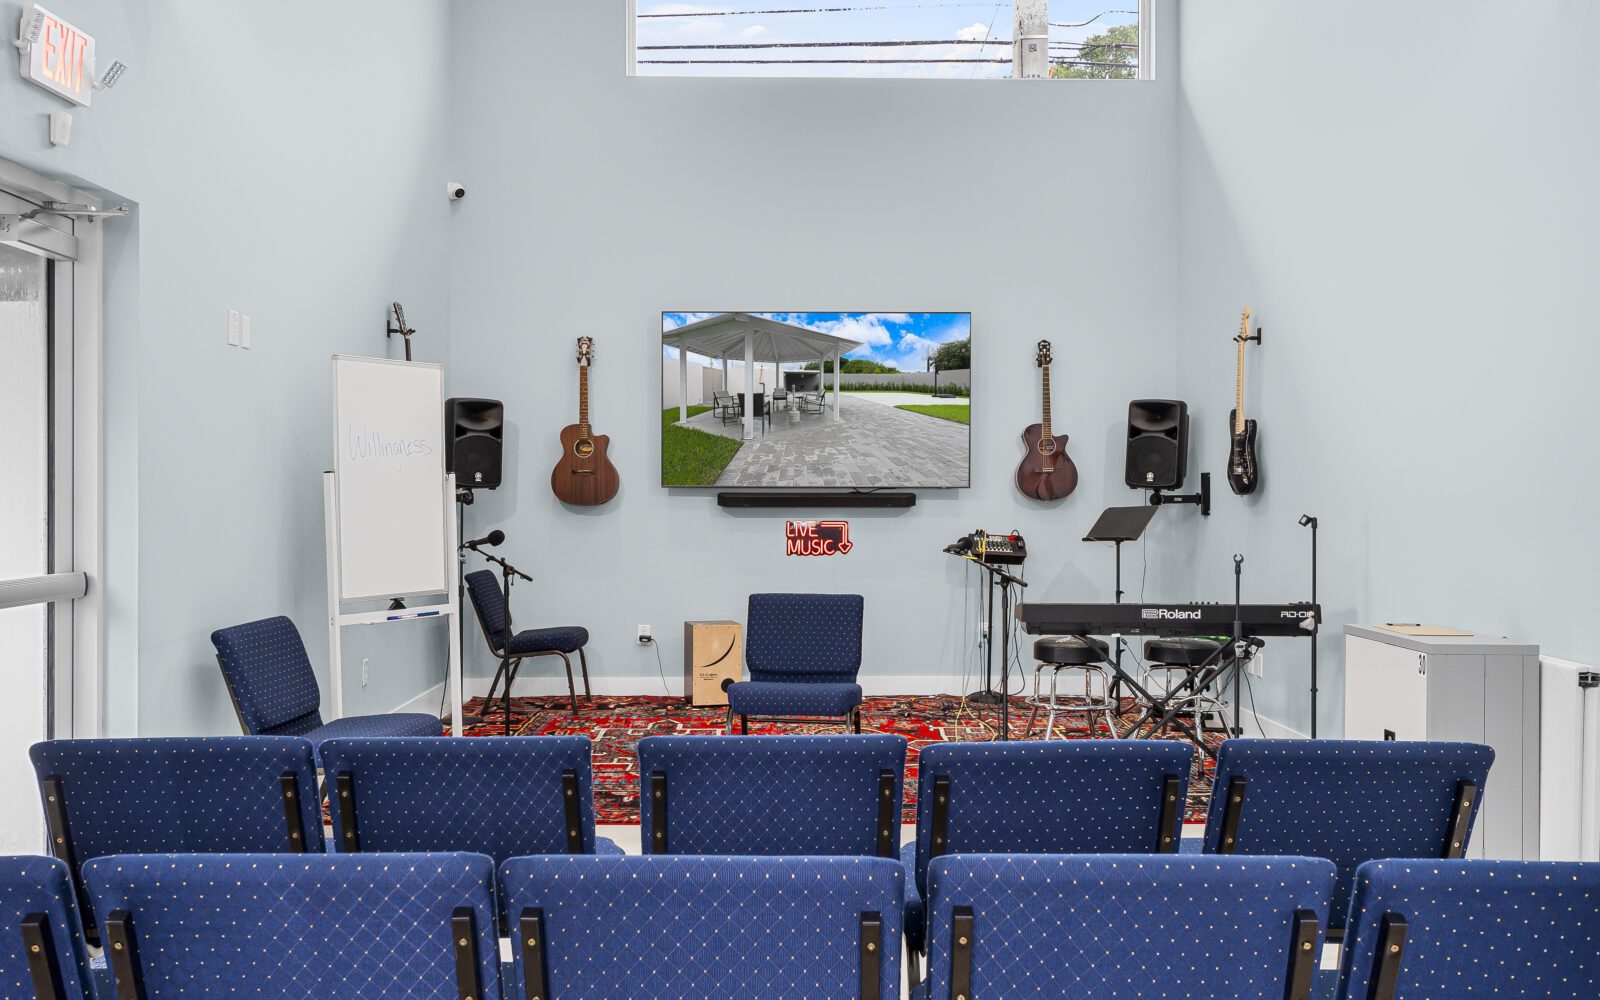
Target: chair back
column 804, row 637
column 1526, row 929
column 489, row 601
column 755, row 795
column 502, row 797
column 269, row 677
column 1124, row 927
column 214, row 794
column 1050, row 797
column 274, row 927
column 651, row 928
column 42, row 952
column 1350, row 801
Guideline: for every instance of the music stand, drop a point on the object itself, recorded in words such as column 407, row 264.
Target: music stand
column 1118, row 525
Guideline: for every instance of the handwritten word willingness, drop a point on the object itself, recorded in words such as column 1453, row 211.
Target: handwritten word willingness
column 362, row 444
column 818, row 538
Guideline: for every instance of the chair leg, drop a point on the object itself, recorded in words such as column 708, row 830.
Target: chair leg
column 572, row 692
column 855, row 713
column 744, row 725
column 494, row 685
column 913, row 966
column 728, row 726
column 583, row 662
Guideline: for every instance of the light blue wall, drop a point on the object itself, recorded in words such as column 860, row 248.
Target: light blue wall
column 597, row 201
column 1414, row 218
column 286, row 161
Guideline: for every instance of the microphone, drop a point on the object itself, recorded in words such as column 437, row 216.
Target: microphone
column 495, row 537
column 1309, row 622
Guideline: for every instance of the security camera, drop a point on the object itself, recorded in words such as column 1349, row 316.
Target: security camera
column 456, row 190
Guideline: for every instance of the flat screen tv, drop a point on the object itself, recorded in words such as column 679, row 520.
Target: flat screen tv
column 792, row 400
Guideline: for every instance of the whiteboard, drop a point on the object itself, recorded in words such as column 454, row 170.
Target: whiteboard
column 388, row 426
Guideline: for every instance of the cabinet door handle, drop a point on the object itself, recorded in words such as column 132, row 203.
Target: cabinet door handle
column 1422, row 664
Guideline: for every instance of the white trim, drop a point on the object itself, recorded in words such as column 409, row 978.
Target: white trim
column 426, row 703
column 1254, row 725
column 86, row 714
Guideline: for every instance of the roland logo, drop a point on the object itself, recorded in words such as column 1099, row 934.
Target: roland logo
column 1169, row 613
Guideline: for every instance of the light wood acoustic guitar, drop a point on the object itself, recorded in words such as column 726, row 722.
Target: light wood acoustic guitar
column 584, row 477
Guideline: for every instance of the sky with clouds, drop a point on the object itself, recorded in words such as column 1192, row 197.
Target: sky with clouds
column 876, row 20
column 898, row 339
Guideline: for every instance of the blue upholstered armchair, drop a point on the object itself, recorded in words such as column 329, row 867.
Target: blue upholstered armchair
column 804, row 651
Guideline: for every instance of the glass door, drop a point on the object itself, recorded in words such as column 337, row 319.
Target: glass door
column 40, row 582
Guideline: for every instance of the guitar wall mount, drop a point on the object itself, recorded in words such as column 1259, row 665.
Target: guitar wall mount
column 1201, row 499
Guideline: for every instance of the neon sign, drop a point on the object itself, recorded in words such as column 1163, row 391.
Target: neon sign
column 817, row 538
column 57, row 56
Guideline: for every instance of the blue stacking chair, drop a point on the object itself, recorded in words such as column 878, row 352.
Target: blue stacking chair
column 1051, row 797
column 1469, row 928
column 804, row 651
column 1424, row 929
column 794, row 795
column 1350, row 801
column 489, row 601
column 42, row 952
column 275, row 693
column 291, row 927
column 649, row 928
column 502, row 797
column 217, row 794
column 1123, row 927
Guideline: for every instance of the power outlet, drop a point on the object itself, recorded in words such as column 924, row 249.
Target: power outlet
column 1258, row 664
column 234, row 319
column 645, row 636
column 366, row 675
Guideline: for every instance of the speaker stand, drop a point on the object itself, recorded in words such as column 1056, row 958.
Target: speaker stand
column 1201, row 499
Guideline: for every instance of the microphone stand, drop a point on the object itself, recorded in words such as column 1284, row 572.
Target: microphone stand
column 1005, row 580
column 508, row 575
column 1239, row 645
column 1316, row 618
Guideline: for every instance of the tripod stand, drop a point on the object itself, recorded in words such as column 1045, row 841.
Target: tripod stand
column 1003, row 696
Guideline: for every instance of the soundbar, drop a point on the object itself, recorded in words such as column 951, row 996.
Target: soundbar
column 1286, row 620
column 797, row 501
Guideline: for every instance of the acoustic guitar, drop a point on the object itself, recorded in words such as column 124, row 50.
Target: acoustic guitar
column 1244, row 471
column 1046, row 473
column 584, row 477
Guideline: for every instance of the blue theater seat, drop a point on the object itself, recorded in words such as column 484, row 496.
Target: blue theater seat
column 293, row 927
column 837, row 794
column 654, row 928
column 1423, row 929
column 1123, row 927
column 42, row 951
column 217, row 794
column 1047, row 797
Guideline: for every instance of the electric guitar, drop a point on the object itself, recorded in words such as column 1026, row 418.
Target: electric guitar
column 1046, row 473
column 1244, row 471
column 584, row 477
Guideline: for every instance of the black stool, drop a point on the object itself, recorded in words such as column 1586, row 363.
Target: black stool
column 1186, row 656
column 1076, row 653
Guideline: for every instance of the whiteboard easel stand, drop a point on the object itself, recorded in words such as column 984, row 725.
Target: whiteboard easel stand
column 450, row 610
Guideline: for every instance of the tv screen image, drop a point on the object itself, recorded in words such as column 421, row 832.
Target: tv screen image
column 785, row 400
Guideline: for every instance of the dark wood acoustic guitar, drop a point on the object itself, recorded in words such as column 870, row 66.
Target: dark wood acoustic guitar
column 1244, row 471
column 1046, row 473
column 584, row 477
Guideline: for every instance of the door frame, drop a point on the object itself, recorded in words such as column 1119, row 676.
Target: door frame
column 77, row 503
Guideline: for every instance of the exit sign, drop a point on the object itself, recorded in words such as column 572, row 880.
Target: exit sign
column 57, row 56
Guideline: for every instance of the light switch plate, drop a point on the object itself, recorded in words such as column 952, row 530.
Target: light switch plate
column 233, row 328
column 244, row 333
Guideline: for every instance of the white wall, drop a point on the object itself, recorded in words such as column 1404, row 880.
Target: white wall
column 598, row 201
column 288, row 166
column 1417, row 232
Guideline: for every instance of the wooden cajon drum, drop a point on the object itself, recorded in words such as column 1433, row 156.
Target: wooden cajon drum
column 713, row 652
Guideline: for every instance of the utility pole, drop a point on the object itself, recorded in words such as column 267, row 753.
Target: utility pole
column 1030, row 33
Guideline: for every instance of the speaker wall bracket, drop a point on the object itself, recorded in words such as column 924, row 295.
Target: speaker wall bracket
column 1201, row 499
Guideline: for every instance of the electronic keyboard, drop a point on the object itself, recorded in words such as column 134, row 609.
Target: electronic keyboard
column 1288, row 620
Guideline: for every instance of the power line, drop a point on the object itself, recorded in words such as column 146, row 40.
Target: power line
column 1085, row 24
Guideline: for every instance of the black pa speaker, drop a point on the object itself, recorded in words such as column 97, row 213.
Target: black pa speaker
column 474, row 430
column 1158, row 444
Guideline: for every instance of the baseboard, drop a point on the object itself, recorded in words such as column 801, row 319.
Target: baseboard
column 426, row 703
column 651, row 684
column 1258, row 725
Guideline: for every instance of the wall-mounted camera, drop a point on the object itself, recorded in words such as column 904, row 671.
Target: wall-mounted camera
column 456, row 190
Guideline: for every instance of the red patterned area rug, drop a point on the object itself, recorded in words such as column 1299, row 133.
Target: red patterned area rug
column 616, row 724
